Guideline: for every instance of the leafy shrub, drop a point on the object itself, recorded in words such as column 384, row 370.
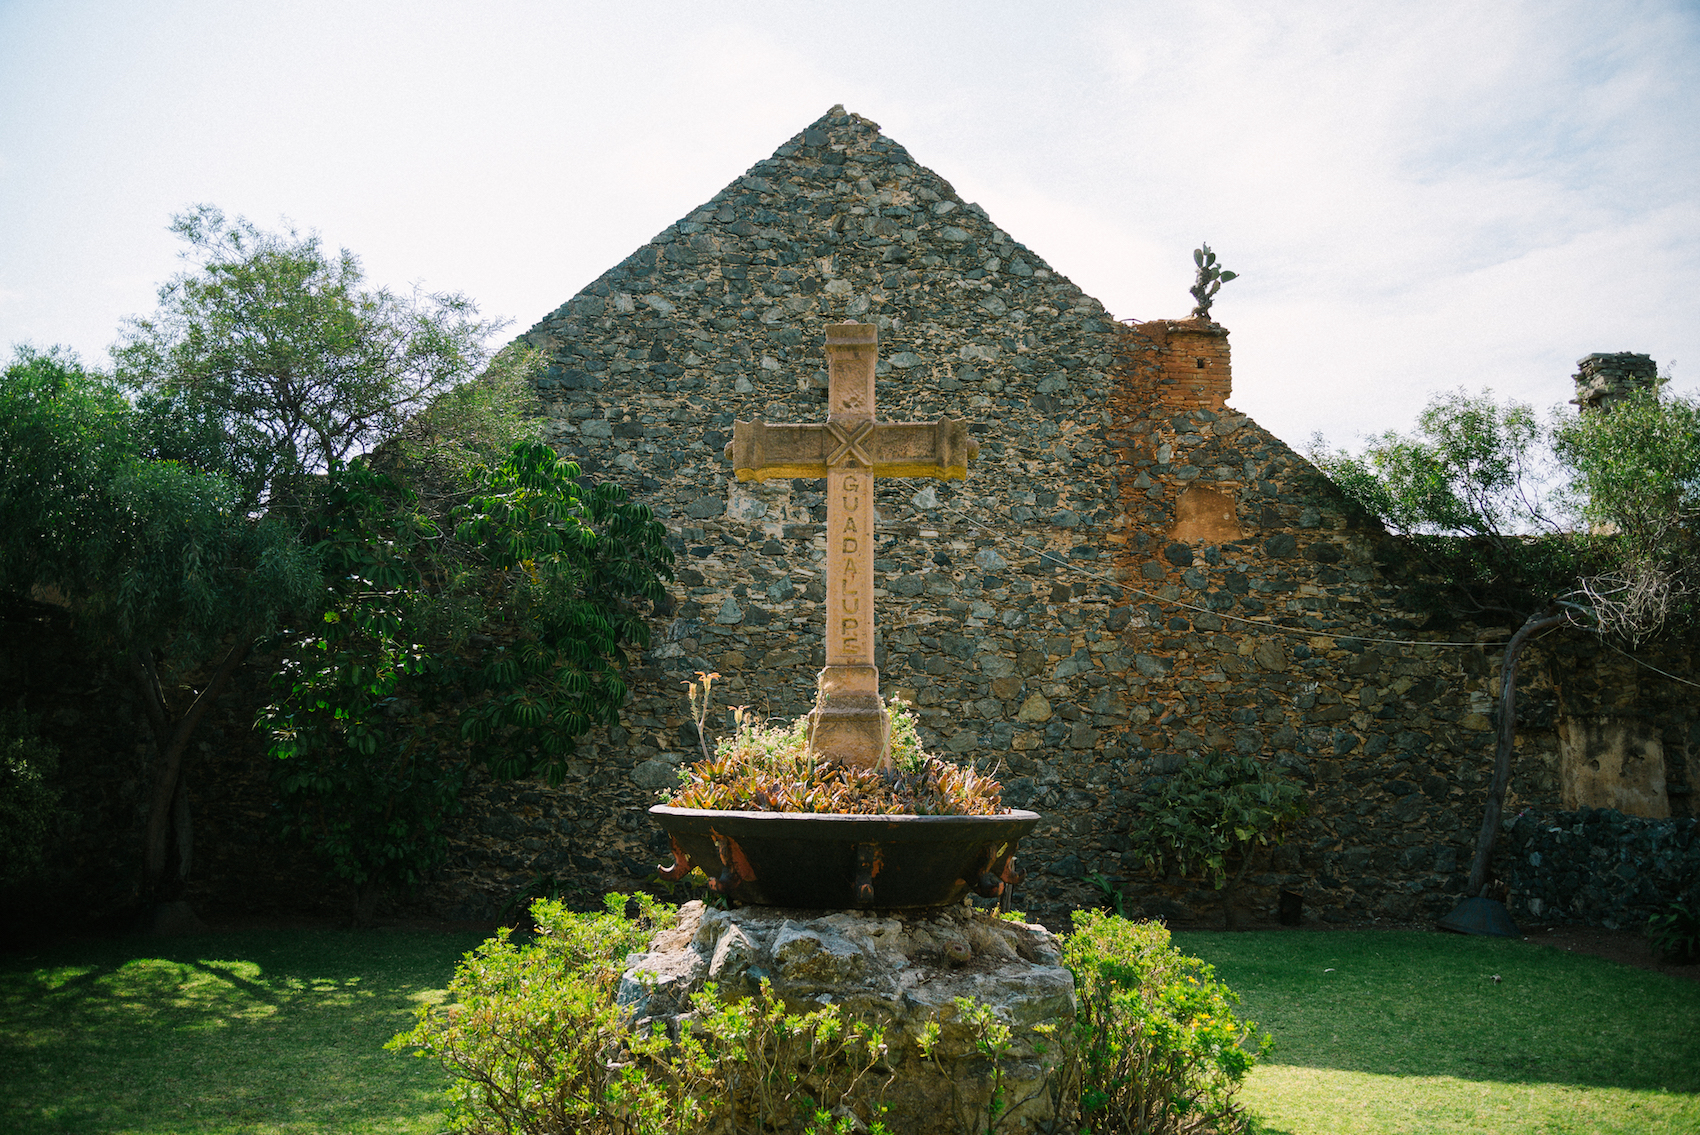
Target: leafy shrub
column 1216, row 809
column 1675, row 934
column 992, row 1043
column 530, row 1034
column 430, row 653
column 29, row 805
column 770, row 769
column 538, row 1046
column 1158, row 1046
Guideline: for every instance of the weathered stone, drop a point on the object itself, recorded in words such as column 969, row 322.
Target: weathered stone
column 655, row 774
column 1125, row 416
column 898, row 973
column 1035, row 708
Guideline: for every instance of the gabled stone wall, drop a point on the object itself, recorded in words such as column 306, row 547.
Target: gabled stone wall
column 1133, row 573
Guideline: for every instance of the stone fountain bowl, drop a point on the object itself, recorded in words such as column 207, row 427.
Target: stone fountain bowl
column 835, row 860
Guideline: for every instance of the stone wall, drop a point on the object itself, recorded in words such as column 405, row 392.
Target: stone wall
column 1133, row 573
column 1602, row 379
column 1597, row 866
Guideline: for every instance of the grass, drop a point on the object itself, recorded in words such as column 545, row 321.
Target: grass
column 253, row 1033
column 1376, row 1031
column 1405, row 1031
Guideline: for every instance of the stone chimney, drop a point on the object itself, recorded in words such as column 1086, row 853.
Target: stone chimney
column 1191, row 356
column 1604, row 379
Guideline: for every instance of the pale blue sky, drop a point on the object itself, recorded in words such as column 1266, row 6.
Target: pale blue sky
column 1419, row 196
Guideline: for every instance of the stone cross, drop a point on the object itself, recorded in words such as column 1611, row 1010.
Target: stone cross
column 849, row 723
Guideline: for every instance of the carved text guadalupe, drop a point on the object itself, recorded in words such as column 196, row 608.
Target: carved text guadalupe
column 851, row 599
column 854, row 544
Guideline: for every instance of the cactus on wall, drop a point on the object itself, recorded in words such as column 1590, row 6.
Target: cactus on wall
column 1211, row 277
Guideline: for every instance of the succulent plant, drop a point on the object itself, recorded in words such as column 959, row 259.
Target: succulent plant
column 1211, row 277
column 769, row 769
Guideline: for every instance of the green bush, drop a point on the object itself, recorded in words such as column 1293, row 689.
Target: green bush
column 29, row 805
column 1157, row 1045
column 538, row 1046
column 1213, row 815
column 1675, row 934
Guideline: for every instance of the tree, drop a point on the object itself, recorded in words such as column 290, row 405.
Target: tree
column 273, row 421
column 1636, row 481
column 159, row 563
column 1465, row 494
column 498, row 642
column 265, row 363
column 273, row 361
column 1212, row 816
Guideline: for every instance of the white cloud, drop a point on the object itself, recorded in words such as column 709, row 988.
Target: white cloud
column 1417, row 196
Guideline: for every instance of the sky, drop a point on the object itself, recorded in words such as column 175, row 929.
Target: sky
column 1418, row 197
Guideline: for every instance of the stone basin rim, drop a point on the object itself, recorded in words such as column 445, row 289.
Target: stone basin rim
column 899, row 825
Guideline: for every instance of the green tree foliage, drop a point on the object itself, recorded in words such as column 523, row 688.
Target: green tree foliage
column 1211, row 816
column 1465, row 493
column 29, row 803
column 1613, row 549
column 499, row 643
column 160, row 563
column 442, row 451
column 268, row 360
column 1636, row 481
column 186, row 506
column 577, row 561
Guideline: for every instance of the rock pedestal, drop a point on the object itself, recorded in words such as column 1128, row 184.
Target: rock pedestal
column 899, row 973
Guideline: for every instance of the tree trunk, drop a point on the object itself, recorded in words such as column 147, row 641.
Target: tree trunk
column 1537, row 624
column 168, row 808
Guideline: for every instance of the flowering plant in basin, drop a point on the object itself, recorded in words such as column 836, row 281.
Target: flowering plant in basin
column 762, row 768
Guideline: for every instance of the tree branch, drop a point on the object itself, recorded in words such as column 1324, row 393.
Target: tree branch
column 1536, row 625
column 171, row 762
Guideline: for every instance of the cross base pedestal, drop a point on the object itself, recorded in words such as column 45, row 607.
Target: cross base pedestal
column 849, row 723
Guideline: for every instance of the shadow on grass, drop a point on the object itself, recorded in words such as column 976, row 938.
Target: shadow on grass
column 1410, row 1003
column 279, row 1031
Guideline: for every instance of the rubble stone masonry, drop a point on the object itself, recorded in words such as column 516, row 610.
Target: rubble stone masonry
column 1133, row 573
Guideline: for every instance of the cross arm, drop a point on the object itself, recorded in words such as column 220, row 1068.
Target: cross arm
column 941, row 450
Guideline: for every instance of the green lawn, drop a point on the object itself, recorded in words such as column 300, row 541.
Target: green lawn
column 253, row 1032
column 1375, row 1032
column 1405, row 1031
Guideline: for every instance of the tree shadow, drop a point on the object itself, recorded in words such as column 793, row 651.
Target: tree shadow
column 221, row 1032
column 1411, row 1003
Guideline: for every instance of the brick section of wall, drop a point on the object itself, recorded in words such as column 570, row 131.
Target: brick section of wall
column 1191, row 362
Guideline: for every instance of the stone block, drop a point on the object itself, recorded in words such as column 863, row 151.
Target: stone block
column 899, row 973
